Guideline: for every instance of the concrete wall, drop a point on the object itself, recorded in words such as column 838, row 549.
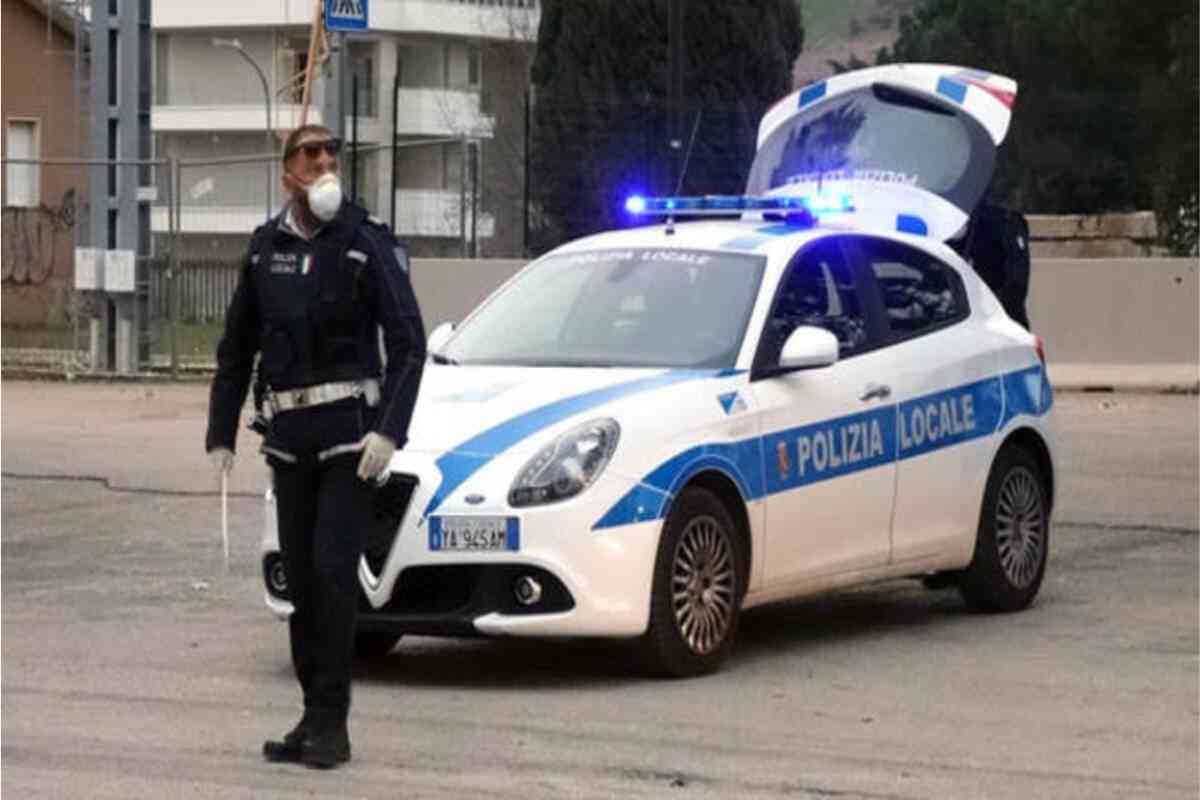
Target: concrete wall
column 448, row 288
column 1115, row 235
column 1118, row 322
column 1121, row 323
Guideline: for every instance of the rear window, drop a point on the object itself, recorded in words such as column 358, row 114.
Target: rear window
column 879, row 134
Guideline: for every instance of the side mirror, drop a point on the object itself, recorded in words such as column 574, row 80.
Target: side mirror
column 441, row 334
column 808, row 347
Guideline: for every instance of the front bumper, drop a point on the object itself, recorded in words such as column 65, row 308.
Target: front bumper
column 591, row 582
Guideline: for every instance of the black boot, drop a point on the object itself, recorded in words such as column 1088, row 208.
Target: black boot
column 289, row 749
column 325, row 747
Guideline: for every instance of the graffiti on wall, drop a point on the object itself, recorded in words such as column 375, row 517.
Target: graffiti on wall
column 34, row 238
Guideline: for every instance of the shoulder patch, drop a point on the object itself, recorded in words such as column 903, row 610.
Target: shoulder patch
column 357, row 255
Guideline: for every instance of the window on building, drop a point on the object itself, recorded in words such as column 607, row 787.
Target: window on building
column 452, row 166
column 162, row 58
column 473, row 67
column 362, row 65
column 292, row 60
column 21, row 181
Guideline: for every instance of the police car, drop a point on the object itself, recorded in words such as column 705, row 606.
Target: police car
column 645, row 432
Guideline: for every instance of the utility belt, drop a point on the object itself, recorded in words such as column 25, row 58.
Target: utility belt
column 277, row 401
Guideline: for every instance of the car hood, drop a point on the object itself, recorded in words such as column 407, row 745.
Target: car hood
column 482, row 411
column 915, row 143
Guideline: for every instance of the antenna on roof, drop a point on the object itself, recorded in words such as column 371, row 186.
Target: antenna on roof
column 683, row 172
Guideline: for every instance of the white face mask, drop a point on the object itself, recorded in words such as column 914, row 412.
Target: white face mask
column 325, row 196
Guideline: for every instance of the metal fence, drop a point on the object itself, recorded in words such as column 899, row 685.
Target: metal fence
column 198, row 215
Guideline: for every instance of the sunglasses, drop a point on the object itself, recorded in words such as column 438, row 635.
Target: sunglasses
column 313, row 149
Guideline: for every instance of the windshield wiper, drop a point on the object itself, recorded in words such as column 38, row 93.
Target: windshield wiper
column 438, row 358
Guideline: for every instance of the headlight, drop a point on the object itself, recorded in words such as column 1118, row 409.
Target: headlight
column 566, row 466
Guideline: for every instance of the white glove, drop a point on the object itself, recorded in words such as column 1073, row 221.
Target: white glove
column 377, row 452
column 222, row 459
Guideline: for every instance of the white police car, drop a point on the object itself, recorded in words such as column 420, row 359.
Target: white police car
column 648, row 430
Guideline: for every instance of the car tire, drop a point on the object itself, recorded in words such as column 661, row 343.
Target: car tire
column 692, row 630
column 1013, row 541
column 372, row 644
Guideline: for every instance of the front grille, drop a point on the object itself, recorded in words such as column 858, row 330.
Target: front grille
column 474, row 589
column 390, row 502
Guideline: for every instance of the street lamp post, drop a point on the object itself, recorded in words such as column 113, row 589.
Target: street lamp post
column 234, row 44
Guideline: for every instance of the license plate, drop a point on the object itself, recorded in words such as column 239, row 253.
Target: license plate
column 474, row 534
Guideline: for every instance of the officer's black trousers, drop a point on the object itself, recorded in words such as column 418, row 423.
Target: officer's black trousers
column 324, row 512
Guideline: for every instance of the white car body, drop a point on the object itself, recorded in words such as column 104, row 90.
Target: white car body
column 870, row 468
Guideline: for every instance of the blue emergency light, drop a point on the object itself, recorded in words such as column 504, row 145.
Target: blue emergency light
column 713, row 204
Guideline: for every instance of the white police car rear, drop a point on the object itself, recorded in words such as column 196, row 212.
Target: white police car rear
column 646, row 431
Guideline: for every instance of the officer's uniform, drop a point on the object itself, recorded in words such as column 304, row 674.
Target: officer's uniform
column 312, row 308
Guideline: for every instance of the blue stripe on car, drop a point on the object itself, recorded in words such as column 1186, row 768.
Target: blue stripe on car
column 811, row 93
column 843, row 445
column 750, row 242
column 470, row 456
column 953, row 89
column 908, row 223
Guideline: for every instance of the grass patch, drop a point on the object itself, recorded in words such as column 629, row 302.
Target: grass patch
column 195, row 341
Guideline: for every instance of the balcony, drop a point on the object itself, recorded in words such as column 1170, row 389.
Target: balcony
column 427, row 212
column 511, row 20
column 418, row 213
column 239, row 219
column 227, row 117
column 442, row 112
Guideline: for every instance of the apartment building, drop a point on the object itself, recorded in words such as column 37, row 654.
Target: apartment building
column 41, row 120
column 453, row 71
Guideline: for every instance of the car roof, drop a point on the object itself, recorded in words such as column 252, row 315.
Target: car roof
column 759, row 237
column 776, row 241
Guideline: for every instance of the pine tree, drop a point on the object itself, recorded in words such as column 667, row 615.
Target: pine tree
column 1106, row 117
column 601, row 123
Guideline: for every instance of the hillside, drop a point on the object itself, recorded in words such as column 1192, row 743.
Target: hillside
column 842, row 30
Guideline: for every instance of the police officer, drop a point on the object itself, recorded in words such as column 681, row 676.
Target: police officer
column 318, row 282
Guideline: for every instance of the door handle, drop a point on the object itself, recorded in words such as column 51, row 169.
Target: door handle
column 875, row 390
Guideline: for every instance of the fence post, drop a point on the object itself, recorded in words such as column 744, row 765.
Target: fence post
column 462, row 200
column 173, row 225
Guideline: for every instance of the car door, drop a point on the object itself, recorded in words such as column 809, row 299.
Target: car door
column 947, row 395
column 828, row 433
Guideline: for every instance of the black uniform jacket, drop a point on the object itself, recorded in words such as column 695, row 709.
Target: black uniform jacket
column 312, row 308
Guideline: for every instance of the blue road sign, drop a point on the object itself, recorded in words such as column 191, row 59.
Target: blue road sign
column 346, row 15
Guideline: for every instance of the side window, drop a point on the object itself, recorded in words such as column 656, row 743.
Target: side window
column 919, row 293
column 817, row 290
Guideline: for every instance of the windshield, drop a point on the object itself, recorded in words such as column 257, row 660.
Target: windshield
column 880, row 134
column 635, row 307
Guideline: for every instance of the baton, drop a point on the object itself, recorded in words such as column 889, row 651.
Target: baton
column 225, row 517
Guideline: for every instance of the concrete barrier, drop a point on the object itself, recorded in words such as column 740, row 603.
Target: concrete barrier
column 1118, row 323
column 1121, row 323
column 1114, row 235
column 448, row 288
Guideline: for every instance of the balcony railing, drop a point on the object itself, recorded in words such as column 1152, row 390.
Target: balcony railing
column 230, row 117
column 426, row 212
column 442, row 112
column 419, row 212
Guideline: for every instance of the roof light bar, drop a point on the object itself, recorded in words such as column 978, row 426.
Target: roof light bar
column 712, row 204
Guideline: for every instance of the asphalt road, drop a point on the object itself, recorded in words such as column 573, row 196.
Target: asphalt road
column 135, row 666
